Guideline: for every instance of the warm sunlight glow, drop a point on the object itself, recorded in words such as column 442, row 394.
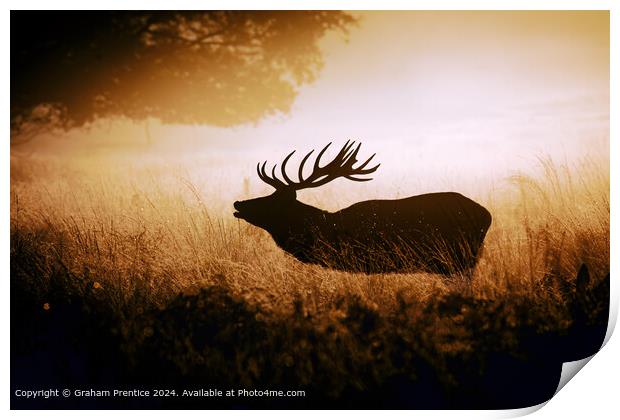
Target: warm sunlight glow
column 446, row 99
column 428, row 225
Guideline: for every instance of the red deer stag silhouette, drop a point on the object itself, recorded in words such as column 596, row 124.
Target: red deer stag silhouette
column 436, row 233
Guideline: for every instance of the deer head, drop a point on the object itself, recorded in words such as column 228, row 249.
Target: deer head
column 281, row 206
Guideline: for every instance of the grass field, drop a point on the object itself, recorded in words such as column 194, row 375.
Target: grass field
column 149, row 264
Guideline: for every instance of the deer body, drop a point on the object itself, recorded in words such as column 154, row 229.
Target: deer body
column 437, row 233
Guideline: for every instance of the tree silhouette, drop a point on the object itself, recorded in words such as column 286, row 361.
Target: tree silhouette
column 219, row 68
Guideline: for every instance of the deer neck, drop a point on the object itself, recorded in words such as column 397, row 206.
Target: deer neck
column 300, row 221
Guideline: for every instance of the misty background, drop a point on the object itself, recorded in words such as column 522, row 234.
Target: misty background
column 447, row 100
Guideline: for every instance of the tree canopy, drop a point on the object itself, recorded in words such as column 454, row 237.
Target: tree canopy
column 218, row 68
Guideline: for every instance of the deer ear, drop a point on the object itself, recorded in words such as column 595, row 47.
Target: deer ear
column 288, row 193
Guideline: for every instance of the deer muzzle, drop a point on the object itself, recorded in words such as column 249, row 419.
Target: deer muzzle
column 237, row 206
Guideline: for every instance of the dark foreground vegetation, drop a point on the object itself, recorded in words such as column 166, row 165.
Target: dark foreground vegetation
column 458, row 351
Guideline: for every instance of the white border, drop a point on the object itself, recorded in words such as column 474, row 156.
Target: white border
column 593, row 393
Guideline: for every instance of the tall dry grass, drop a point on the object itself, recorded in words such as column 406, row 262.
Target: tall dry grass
column 140, row 275
column 145, row 234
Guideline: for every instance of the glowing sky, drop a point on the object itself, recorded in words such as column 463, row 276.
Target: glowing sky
column 438, row 94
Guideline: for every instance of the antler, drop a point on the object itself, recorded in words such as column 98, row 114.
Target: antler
column 340, row 166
